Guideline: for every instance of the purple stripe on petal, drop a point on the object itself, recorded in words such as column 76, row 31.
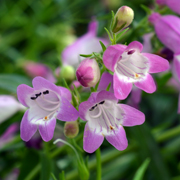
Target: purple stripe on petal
column 47, row 129
column 67, row 111
column 138, row 67
column 91, row 140
column 148, row 85
column 157, row 63
column 118, row 139
column 27, row 129
column 133, row 116
column 121, row 88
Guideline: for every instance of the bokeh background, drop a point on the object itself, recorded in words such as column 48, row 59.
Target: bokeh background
column 38, row 31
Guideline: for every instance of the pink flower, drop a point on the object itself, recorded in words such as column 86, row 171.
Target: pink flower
column 172, row 4
column 37, row 69
column 130, row 66
column 86, row 44
column 106, row 118
column 88, row 73
column 167, row 29
column 46, row 102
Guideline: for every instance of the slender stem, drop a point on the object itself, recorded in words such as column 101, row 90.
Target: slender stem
column 98, row 163
column 33, row 173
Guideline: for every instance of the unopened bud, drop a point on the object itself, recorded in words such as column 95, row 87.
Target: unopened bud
column 71, row 129
column 88, row 73
column 123, row 18
column 67, row 72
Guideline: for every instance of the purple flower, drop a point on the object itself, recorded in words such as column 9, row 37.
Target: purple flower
column 167, row 29
column 46, row 102
column 130, row 66
column 106, row 118
column 88, row 73
column 8, row 107
column 172, row 4
column 86, row 44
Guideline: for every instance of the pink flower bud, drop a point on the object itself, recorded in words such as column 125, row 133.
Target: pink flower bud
column 88, row 73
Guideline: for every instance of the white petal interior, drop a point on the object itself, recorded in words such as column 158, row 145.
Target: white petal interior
column 105, row 117
column 132, row 67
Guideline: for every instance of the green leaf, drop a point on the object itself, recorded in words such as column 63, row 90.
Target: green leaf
column 141, row 170
column 62, row 176
column 53, row 176
column 103, row 46
column 146, row 9
column 10, row 82
column 85, row 55
column 45, row 167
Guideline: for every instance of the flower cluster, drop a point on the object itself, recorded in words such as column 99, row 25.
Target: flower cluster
column 121, row 67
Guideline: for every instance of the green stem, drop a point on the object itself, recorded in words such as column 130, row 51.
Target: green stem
column 33, row 172
column 98, row 163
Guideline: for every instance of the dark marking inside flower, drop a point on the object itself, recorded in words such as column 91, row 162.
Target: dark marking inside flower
column 131, row 52
column 92, row 108
column 46, row 92
column 33, row 98
column 111, row 127
column 102, row 102
column 37, row 95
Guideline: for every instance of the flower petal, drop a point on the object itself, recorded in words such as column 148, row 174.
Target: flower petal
column 132, row 116
column 105, row 80
column 67, row 111
column 148, row 85
column 105, row 95
column 92, row 27
column 91, row 140
column 121, row 88
column 24, row 92
column 135, row 45
column 27, row 129
column 156, row 63
column 46, row 129
column 176, row 63
column 112, row 55
column 179, row 105
column 118, row 138
column 39, row 83
column 65, row 93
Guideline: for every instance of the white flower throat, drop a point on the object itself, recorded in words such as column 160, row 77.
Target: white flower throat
column 48, row 101
column 132, row 66
column 103, row 117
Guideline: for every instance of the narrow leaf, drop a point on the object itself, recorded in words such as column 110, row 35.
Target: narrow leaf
column 85, row 55
column 103, row 46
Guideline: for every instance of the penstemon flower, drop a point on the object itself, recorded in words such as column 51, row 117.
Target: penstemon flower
column 130, row 66
column 106, row 118
column 46, row 102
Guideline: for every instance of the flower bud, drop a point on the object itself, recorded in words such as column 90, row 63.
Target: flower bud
column 88, row 73
column 67, row 72
column 71, row 129
column 123, row 18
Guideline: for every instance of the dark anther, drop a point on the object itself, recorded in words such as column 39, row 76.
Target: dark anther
column 131, row 52
column 38, row 94
column 102, row 102
column 92, row 108
column 33, row 98
column 46, row 92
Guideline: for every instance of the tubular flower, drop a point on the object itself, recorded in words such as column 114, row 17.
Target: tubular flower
column 172, row 4
column 130, row 66
column 88, row 73
column 106, row 118
column 164, row 25
column 86, row 44
column 46, row 102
